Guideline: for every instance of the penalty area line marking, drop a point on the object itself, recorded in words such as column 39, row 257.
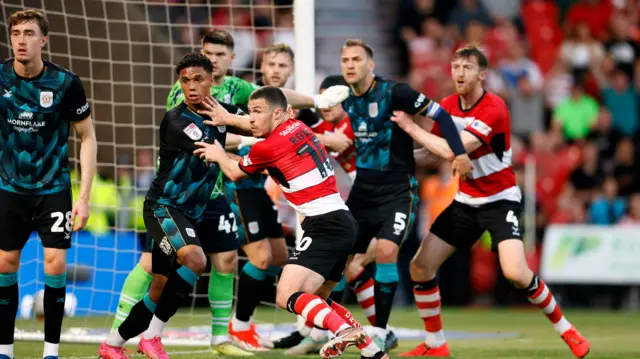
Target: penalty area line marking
column 186, row 352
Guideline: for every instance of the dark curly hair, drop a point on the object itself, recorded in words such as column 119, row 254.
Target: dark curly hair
column 194, row 59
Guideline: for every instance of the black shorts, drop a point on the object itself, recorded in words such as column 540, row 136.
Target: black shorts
column 49, row 215
column 462, row 225
column 257, row 214
column 327, row 242
column 170, row 231
column 384, row 211
column 219, row 227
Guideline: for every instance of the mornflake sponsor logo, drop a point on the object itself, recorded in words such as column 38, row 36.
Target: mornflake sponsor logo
column 25, row 123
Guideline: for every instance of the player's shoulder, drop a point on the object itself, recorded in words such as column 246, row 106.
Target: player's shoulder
column 234, row 81
column 54, row 70
column 175, row 112
column 494, row 104
column 384, row 84
column 450, row 101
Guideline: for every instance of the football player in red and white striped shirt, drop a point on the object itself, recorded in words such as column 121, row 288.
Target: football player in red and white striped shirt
column 488, row 199
column 299, row 164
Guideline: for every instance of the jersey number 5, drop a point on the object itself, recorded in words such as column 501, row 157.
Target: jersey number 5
column 319, row 156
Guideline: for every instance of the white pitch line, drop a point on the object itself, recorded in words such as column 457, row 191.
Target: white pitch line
column 170, row 353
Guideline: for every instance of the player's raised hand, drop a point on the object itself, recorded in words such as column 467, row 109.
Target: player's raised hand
column 332, row 96
column 462, row 166
column 209, row 152
column 338, row 141
column 80, row 214
column 216, row 113
column 403, row 119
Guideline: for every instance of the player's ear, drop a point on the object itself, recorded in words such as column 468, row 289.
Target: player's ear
column 483, row 74
column 44, row 41
column 233, row 56
column 371, row 64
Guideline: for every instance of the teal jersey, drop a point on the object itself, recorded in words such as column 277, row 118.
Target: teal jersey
column 35, row 119
column 236, row 91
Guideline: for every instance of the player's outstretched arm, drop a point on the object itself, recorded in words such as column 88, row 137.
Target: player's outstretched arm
column 215, row 153
column 235, row 142
column 332, row 96
column 88, row 154
column 219, row 115
column 438, row 145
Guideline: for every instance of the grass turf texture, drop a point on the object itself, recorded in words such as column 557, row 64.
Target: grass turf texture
column 612, row 335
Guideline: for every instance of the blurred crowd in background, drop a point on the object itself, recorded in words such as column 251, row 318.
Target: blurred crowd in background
column 568, row 69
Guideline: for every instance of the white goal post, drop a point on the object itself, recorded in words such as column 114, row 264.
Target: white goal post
column 125, row 51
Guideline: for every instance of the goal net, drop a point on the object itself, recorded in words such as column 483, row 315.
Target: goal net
column 125, row 51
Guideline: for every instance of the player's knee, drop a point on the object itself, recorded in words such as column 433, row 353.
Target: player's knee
column 279, row 255
column 195, row 260
column 145, row 262
column 225, row 262
column 421, row 272
column 519, row 276
column 386, row 252
column 55, row 262
column 261, row 259
column 9, row 261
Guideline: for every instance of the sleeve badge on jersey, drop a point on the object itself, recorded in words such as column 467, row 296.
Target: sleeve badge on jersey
column 481, row 127
column 193, row 132
column 373, row 109
column 419, row 101
column 246, row 161
column 46, row 99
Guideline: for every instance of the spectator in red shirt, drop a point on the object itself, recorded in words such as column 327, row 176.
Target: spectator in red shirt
column 596, row 13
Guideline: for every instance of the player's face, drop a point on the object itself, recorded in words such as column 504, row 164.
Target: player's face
column 355, row 64
column 276, row 69
column 466, row 74
column 332, row 114
column 262, row 117
column 196, row 84
column 27, row 41
column 220, row 56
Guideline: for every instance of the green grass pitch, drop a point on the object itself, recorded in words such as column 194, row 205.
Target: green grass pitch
column 612, row 335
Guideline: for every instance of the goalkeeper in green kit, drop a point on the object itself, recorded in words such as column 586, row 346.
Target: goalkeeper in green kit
column 219, row 228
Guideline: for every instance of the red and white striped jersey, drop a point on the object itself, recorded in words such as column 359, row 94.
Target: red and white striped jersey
column 299, row 164
column 346, row 159
column 492, row 178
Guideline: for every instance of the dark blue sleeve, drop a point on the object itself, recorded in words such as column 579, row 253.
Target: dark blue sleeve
column 406, row 99
column 447, row 127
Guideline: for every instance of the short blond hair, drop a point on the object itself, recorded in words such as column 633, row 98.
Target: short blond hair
column 472, row 50
column 359, row 43
column 280, row 49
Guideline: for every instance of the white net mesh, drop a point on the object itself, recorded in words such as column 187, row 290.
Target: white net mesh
column 124, row 51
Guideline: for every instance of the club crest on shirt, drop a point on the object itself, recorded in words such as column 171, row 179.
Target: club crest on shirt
column 227, row 98
column 46, row 99
column 193, row 132
column 373, row 109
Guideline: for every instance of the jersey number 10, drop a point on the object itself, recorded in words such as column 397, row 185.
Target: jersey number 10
column 314, row 149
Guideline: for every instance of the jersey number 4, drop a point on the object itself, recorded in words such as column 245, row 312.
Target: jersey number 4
column 318, row 155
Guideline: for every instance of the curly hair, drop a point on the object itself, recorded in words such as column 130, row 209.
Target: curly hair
column 194, row 59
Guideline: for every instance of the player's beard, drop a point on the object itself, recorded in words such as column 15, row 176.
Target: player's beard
column 464, row 89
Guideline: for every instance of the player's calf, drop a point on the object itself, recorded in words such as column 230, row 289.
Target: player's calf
column 515, row 268
column 54, row 297
column 385, row 284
